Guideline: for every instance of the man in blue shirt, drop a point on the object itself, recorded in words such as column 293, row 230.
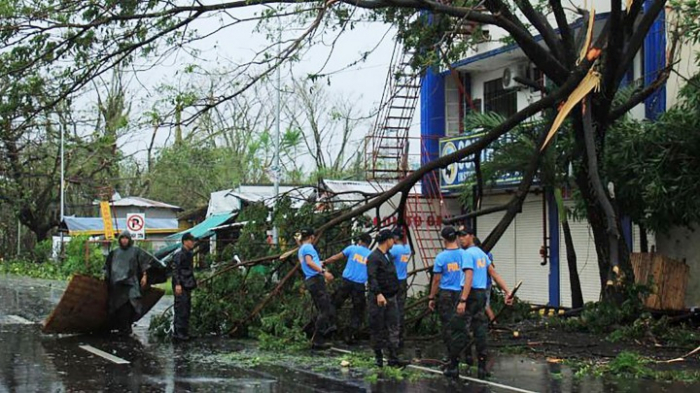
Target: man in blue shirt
column 315, row 283
column 473, row 301
column 401, row 252
column 451, row 274
column 354, row 280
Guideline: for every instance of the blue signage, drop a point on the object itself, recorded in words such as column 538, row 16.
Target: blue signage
column 455, row 175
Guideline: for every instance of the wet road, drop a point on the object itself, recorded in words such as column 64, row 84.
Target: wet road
column 33, row 362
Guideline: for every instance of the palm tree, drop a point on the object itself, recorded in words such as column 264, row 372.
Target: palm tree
column 513, row 154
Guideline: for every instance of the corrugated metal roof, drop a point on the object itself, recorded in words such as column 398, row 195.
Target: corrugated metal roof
column 142, row 202
column 227, row 201
column 348, row 191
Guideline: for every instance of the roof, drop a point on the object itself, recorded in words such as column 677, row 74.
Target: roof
column 142, row 202
column 204, row 229
column 350, row 191
column 95, row 225
column 227, row 201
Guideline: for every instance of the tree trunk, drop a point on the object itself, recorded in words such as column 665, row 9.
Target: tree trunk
column 571, row 260
column 615, row 273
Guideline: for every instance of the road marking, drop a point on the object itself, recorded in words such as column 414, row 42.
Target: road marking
column 19, row 320
column 103, row 354
column 430, row 370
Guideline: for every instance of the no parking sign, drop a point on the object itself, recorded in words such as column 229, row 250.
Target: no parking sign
column 136, row 225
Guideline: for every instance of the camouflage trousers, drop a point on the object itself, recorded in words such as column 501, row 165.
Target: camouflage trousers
column 325, row 321
column 384, row 323
column 477, row 320
column 455, row 328
column 401, row 300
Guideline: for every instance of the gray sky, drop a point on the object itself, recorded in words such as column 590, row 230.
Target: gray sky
column 364, row 82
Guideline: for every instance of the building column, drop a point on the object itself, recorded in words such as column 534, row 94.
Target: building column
column 554, row 267
column 432, row 125
column 655, row 61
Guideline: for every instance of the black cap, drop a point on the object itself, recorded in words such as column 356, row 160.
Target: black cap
column 384, row 235
column 449, row 233
column 188, row 236
column 306, row 233
column 365, row 238
column 465, row 230
column 398, row 233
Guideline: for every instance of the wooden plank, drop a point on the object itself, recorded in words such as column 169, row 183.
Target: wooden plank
column 83, row 307
column 103, row 354
column 667, row 277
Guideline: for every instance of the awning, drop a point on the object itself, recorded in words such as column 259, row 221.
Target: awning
column 204, row 229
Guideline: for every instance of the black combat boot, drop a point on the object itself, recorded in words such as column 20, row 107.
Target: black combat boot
column 394, row 360
column 378, row 358
column 452, row 369
column 482, row 373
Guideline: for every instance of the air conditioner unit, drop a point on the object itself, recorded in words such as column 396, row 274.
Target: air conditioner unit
column 509, row 75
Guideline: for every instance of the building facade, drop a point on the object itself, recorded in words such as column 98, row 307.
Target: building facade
column 532, row 249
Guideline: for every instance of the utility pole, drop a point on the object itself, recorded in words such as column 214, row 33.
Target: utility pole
column 276, row 164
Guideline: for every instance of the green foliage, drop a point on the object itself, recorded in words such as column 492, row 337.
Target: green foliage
column 628, row 365
column 74, row 262
column 83, row 257
column 653, row 164
column 660, row 330
column 24, row 268
column 603, row 317
column 160, row 325
column 42, row 251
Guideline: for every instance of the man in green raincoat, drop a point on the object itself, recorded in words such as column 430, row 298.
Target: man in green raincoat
column 125, row 273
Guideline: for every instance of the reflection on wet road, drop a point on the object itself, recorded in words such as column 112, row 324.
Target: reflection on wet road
column 33, row 362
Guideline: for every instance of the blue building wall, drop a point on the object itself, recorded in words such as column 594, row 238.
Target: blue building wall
column 432, row 124
column 655, row 61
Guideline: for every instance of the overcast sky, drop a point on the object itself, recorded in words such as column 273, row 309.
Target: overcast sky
column 364, row 82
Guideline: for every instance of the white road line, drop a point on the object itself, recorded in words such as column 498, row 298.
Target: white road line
column 430, row 370
column 19, row 320
column 104, row 354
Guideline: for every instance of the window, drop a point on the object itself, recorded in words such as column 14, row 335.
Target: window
column 499, row 100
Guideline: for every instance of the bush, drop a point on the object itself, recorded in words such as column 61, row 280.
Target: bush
column 43, row 251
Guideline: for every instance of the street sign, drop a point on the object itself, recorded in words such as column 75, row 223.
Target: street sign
column 136, row 225
column 106, row 213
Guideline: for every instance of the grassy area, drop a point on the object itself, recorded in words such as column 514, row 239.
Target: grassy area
column 631, row 365
column 46, row 270
column 166, row 286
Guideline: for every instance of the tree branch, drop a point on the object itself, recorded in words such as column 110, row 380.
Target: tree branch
column 637, row 39
column 543, row 27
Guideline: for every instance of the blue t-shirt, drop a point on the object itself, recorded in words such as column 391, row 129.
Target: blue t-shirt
column 356, row 267
column 481, row 262
column 451, row 263
column 304, row 250
column 489, row 280
column 401, row 254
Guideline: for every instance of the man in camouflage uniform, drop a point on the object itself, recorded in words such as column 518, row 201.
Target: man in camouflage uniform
column 450, row 275
column 472, row 304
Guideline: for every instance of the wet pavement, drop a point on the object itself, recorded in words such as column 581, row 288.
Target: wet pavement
column 33, row 362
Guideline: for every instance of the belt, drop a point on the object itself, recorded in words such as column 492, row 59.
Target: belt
column 478, row 290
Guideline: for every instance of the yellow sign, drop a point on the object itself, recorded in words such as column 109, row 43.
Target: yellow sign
column 107, row 220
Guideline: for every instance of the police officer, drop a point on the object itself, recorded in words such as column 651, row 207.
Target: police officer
column 383, row 303
column 354, row 281
column 315, row 283
column 473, row 300
column 183, row 284
column 450, row 275
column 401, row 252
